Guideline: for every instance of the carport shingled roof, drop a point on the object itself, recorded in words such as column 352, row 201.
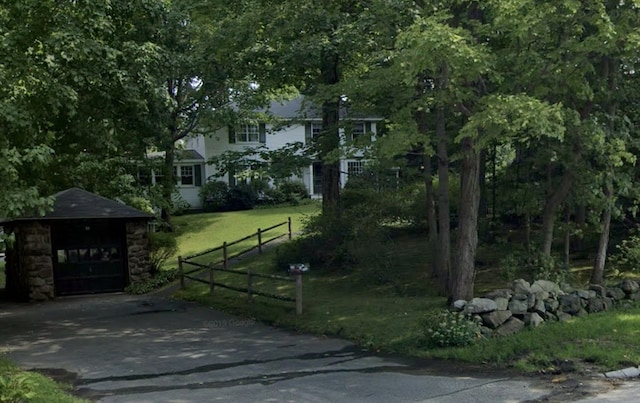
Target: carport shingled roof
column 76, row 203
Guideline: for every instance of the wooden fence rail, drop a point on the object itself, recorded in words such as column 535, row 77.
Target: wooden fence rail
column 249, row 290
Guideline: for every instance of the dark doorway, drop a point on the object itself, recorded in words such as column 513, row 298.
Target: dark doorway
column 89, row 257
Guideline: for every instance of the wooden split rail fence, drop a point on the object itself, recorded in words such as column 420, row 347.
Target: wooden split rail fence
column 223, row 266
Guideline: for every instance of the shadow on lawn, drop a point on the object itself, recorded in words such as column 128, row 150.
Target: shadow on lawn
column 194, row 223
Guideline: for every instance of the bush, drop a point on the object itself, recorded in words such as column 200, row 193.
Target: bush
column 159, row 279
column 627, row 256
column 162, row 246
column 16, row 388
column 451, row 329
column 310, row 249
column 533, row 266
column 214, row 195
column 293, row 191
column 273, row 196
column 241, row 197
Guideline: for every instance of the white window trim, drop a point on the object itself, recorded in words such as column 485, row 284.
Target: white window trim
column 244, row 129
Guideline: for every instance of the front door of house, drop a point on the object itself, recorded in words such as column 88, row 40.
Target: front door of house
column 89, row 257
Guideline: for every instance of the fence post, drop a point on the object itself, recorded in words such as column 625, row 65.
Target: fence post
column 250, row 289
column 225, row 259
column 181, row 272
column 211, row 279
column 290, row 233
column 298, row 293
column 259, row 240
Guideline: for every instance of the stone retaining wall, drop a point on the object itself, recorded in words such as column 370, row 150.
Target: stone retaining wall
column 508, row 311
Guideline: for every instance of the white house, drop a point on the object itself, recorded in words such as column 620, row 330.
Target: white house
column 303, row 122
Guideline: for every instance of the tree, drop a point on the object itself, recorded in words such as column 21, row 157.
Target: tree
column 314, row 46
column 74, row 86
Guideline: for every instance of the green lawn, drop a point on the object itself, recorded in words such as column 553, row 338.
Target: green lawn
column 389, row 316
column 18, row 386
column 199, row 232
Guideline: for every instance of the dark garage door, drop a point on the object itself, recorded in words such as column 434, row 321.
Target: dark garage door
column 89, row 257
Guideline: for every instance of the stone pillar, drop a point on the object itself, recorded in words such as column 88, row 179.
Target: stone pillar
column 34, row 269
column 138, row 251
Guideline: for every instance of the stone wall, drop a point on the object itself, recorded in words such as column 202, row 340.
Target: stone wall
column 138, row 251
column 509, row 311
column 30, row 265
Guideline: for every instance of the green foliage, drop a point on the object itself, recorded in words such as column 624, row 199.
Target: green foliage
column 451, row 329
column 627, row 255
column 532, row 266
column 214, row 195
column 16, row 388
column 141, row 203
column 159, row 279
column 293, row 191
column 162, row 246
column 241, row 197
column 261, row 163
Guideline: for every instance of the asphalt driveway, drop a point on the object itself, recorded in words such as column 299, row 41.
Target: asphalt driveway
column 122, row 348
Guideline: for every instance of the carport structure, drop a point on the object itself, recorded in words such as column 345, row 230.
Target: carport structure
column 87, row 244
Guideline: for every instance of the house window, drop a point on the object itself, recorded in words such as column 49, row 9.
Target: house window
column 357, row 130
column 186, row 175
column 248, row 134
column 355, row 167
column 316, row 130
column 312, row 131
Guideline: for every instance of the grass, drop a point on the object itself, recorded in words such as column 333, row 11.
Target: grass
column 389, row 315
column 383, row 317
column 606, row 341
column 199, row 232
column 31, row 386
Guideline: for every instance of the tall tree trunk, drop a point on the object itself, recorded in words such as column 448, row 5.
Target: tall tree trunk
column 168, row 184
column 581, row 225
column 463, row 272
column 483, row 206
column 567, row 238
column 421, row 119
column 597, row 274
column 329, row 142
column 432, row 220
column 555, row 199
column 444, row 206
column 330, row 139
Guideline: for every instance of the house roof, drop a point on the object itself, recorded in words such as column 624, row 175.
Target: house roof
column 77, row 203
column 302, row 108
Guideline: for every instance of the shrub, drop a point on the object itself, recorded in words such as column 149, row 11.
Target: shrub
column 310, row 249
column 273, row 196
column 214, row 195
column 241, row 197
column 158, row 280
column 293, row 191
column 533, row 265
column 451, row 329
column 627, row 256
column 162, row 246
column 16, row 388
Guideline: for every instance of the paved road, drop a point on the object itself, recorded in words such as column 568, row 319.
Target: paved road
column 121, row 348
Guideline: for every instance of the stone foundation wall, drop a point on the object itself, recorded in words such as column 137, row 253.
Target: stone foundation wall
column 34, row 269
column 138, row 251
